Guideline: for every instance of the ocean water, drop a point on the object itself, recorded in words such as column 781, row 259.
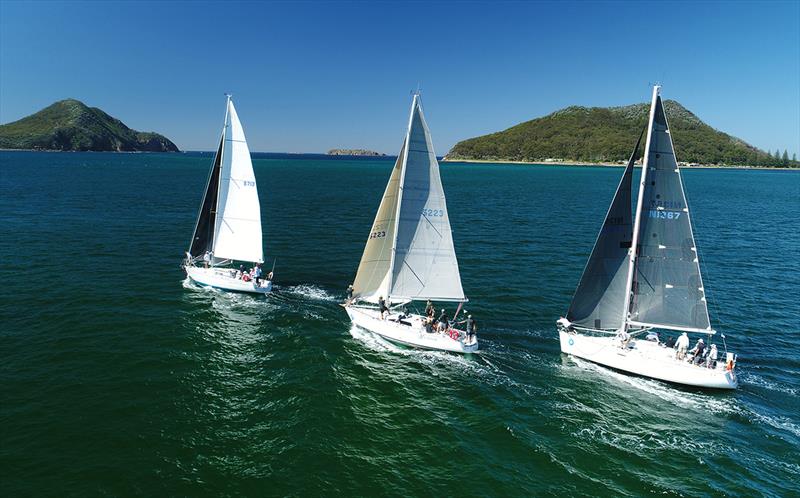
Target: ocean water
column 118, row 377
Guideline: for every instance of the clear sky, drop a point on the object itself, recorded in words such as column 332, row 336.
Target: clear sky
column 309, row 76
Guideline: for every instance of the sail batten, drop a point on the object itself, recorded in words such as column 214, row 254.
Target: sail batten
column 410, row 253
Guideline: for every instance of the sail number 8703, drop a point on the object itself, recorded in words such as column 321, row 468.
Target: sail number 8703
column 432, row 212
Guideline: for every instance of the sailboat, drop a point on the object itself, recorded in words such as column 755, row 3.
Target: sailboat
column 409, row 254
column 228, row 228
column 644, row 275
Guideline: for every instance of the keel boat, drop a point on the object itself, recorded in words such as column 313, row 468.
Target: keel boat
column 643, row 276
column 228, row 228
column 409, row 254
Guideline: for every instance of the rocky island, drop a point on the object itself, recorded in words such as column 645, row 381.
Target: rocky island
column 603, row 135
column 70, row 125
column 354, row 152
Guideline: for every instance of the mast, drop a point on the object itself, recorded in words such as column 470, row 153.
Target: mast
column 637, row 219
column 400, row 193
column 221, row 158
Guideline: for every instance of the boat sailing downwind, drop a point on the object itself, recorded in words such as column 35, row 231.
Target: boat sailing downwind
column 228, row 227
column 409, row 254
column 644, row 274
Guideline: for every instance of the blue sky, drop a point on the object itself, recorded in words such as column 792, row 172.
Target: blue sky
column 309, row 76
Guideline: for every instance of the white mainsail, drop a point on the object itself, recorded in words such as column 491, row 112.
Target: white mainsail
column 409, row 254
column 238, row 222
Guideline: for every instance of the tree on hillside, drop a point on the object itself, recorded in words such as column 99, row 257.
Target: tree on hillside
column 785, row 158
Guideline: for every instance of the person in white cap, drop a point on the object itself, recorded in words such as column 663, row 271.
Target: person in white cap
column 711, row 359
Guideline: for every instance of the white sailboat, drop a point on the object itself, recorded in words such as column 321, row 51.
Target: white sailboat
column 409, row 254
column 644, row 274
column 228, row 227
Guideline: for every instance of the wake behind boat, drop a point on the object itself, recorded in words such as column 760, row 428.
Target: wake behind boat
column 409, row 255
column 644, row 275
column 228, row 227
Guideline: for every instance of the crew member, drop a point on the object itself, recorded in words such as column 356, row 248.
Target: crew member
column 681, row 345
column 382, row 306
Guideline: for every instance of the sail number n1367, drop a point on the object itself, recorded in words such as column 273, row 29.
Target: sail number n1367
column 665, row 215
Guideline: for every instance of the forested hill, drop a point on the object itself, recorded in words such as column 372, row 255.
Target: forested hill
column 608, row 134
column 71, row 125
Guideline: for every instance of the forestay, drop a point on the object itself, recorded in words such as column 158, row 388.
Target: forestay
column 423, row 265
column 601, row 292
column 667, row 289
column 238, row 222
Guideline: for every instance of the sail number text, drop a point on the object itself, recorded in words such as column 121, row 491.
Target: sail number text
column 248, row 183
column 432, row 212
column 377, row 235
column 664, row 215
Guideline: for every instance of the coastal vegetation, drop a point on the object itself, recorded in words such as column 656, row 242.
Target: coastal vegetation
column 70, row 125
column 607, row 135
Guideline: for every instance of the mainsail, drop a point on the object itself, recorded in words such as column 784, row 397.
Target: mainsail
column 229, row 222
column 667, row 289
column 238, row 223
column 422, row 261
column 601, row 292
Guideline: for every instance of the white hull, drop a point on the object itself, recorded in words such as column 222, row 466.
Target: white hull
column 647, row 359
column 224, row 278
column 413, row 335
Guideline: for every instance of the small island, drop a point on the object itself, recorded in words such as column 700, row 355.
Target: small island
column 354, row 152
column 71, row 125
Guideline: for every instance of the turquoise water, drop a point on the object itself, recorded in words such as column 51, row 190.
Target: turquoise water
column 119, row 378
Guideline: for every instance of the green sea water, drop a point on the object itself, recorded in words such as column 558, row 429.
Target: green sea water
column 119, row 378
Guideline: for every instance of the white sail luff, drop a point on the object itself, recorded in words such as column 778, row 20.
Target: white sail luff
column 638, row 214
column 237, row 233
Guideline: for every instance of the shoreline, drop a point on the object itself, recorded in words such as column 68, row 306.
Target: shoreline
column 605, row 164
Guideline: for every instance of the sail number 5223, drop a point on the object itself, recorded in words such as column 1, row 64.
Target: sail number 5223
column 432, row 212
column 378, row 234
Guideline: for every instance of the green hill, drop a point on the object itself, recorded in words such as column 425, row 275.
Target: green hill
column 607, row 134
column 71, row 125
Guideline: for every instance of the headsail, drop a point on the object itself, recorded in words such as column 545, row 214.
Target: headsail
column 203, row 237
column 667, row 289
column 601, row 292
column 372, row 278
column 423, row 264
column 238, row 222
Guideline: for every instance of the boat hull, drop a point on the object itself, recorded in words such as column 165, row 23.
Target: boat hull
column 224, row 278
column 412, row 334
column 647, row 359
